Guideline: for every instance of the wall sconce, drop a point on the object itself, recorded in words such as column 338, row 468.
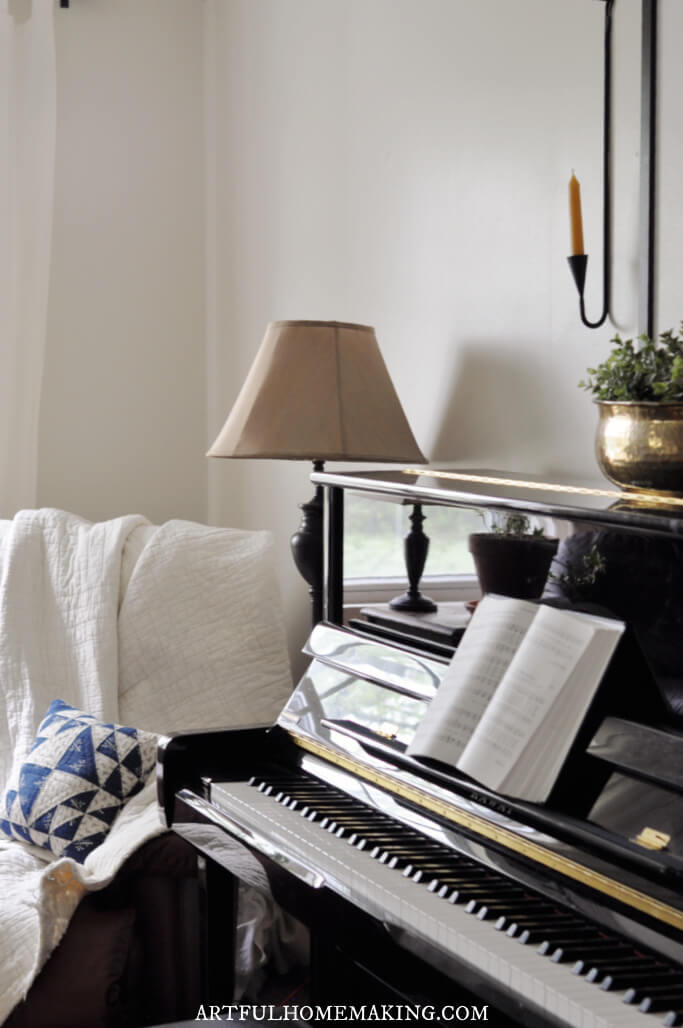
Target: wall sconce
column 578, row 261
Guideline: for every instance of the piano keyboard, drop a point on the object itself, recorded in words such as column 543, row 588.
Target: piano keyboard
column 567, row 966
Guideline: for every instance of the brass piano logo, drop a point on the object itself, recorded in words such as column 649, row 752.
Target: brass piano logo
column 652, row 839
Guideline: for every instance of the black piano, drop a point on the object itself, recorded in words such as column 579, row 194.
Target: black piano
column 419, row 886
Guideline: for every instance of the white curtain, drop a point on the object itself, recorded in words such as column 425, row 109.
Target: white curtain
column 27, row 159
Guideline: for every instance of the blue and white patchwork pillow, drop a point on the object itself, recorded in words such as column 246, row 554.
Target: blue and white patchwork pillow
column 75, row 780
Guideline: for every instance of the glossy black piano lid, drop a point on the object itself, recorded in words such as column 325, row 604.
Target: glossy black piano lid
column 597, row 501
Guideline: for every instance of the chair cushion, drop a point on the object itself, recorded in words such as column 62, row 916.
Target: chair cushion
column 75, row 780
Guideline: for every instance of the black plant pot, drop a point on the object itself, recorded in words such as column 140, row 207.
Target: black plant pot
column 512, row 565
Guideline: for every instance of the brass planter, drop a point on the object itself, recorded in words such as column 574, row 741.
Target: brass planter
column 640, row 445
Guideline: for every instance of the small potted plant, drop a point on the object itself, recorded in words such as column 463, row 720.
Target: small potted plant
column 512, row 559
column 639, row 392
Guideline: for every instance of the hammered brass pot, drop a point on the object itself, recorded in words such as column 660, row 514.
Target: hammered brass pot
column 640, row 445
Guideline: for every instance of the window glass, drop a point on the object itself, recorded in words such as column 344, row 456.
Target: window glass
column 374, row 531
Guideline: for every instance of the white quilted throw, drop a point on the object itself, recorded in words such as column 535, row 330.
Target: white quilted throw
column 201, row 633
column 164, row 629
column 59, row 596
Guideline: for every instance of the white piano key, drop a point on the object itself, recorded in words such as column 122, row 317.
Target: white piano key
column 389, row 896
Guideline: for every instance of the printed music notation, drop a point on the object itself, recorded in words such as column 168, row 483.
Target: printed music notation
column 515, row 694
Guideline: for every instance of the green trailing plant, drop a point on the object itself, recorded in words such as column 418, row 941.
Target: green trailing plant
column 650, row 371
column 580, row 574
column 516, row 525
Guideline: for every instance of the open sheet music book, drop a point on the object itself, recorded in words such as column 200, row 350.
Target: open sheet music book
column 515, row 694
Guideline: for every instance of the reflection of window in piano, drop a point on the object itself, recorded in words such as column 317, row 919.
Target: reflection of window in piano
column 374, row 564
column 373, row 706
column 374, row 532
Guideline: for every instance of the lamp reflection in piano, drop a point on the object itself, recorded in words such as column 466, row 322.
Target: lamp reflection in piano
column 319, row 391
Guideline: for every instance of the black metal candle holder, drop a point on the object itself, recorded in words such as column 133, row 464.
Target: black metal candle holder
column 578, row 263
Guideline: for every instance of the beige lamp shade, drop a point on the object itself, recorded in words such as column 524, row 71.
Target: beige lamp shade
column 318, row 390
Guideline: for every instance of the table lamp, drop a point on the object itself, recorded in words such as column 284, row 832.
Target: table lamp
column 318, row 391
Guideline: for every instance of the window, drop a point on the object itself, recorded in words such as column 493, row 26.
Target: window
column 374, row 531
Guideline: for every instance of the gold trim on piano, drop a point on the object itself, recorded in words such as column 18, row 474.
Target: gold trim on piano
column 564, row 865
column 552, row 487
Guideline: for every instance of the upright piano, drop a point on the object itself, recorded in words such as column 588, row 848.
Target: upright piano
column 418, row 885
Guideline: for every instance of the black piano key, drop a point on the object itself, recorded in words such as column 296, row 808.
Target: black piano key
column 668, row 987
column 436, row 853
column 394, row 861
column 588, row 950
column 625, row 979
column 420, row 848
column 384, row 856
column 486, row 911
column 474, row 891
column 503, row 900
column 497, row 908
column 428, row 869
column 554, row 930
column 581, row 947
column 629, row 961
column 674, row 1018
column 479, row 897
column 419, row 860
column 475, row 886
column 536, row 917
column 310, row 786
column 336, row 813
column 476, row 899
column 396, row 858
column 657, row 1001
column 466, row 880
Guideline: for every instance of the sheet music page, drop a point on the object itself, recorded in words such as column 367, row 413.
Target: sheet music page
column 535, row 773
column 489, row 643
column 529, row 688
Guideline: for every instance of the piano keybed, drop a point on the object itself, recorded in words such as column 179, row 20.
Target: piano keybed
column 574, row 969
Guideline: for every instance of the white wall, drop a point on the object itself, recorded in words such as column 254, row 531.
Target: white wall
column 402, row 163
column 405, row 164
column 123, row 400
column 669, row 256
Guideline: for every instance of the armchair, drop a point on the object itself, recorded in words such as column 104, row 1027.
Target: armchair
column 159, row 628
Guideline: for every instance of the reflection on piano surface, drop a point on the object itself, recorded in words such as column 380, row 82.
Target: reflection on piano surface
column 420, row 886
